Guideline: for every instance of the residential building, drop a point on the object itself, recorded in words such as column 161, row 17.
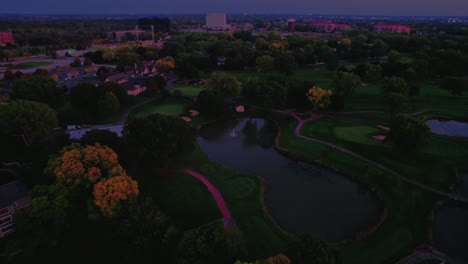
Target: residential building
column 216, row 21
column 6, row 37
column 342, row 27
column 117, row 78
column 13, row 197
column 328, row 26
column 391, row 28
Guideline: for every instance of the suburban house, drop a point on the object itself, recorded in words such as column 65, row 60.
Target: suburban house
column 117, row 78
column 13, row 197
column 135, row 86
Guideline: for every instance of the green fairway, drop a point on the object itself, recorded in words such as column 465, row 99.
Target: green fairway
column 168, row 106
column 188, row 90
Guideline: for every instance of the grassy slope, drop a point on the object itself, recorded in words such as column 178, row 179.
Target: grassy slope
column 188, row 90
column 169, row 106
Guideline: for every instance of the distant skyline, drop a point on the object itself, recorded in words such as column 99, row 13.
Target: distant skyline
column 348, row 7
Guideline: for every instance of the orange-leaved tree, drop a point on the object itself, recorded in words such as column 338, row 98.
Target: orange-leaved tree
column 320, row 98
column 110, row 192
column 94, row 167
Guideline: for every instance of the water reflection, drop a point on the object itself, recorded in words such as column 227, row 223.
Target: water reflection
column 302, row 198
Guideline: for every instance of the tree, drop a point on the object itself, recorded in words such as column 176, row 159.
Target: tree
column 108, row 104
column 396, row 85
column 278, row 259
column 95, row 169
column 408, row 134
column 156, row 83
column 265, row 64
column 310, row 250
column 320, row 98
column 39, row 87
column 223, row 85
column 332, row 61
column 76, row 62
column 394, row 57
column 394, row 102
column 455, row 86
column 285, row 63
column 165, row 64
column 211, row 244
column 265, row 93
column 346, row 83
column 109, row 193
column 157, row 139
column 210, row 104
column 101, row 136
column 369, row 72
column 31, row 120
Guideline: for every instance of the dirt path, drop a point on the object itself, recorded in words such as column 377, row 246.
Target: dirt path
column 297, row 133
column 228, row 221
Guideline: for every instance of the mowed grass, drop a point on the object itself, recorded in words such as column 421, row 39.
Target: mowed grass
column 188, row 90
column 190, row 204
column 431, row 166
column 185, row 199
column 169, row 106
column 408, row 208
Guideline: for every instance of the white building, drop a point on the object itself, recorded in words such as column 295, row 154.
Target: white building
column 216, row 20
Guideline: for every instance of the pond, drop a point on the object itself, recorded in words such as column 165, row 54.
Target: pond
column 450, row 231
column 302, row 198
column 448, row 128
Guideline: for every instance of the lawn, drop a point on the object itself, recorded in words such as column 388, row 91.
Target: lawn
column 188, row 90
column 182, row 197
column 441, row 155
column 189, row 203
column 31, row 64
column 169, row 106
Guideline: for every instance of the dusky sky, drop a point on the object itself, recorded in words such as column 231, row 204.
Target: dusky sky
column 360, row 7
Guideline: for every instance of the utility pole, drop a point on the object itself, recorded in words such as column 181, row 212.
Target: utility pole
column 152, row 32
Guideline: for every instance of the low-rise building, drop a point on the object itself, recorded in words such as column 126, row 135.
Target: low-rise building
column 328, row 26
column 6, row 37
column 13, row 197
column 391, row 28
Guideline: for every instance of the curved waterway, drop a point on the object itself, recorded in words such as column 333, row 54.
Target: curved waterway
column 450, row 231
column 302, row 198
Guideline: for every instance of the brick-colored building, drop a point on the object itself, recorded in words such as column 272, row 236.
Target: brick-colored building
column 391, row 28
column 6, row 37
